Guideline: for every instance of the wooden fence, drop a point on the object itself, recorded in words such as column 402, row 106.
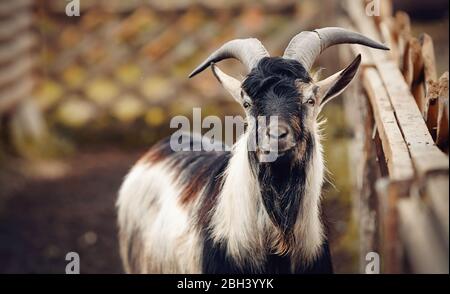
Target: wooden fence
column 399, row 154
column 22, row 124
column 15, row 44
column 122, row 66
column 398, row 109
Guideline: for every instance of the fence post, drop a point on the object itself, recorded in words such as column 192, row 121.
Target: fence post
column 23, row 126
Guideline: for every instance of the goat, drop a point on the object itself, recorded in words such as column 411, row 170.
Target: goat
column 231, row 212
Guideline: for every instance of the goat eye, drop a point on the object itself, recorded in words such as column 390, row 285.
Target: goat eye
column 246, row 104
column 311, row 101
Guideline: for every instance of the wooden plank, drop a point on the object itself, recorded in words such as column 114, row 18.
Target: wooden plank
column 412, row 70
column 430, row 110
column 9, row 97
column 16, row 69
column 362, row 159
column 418, row 92
column 437, row 193
column 403, row 28
column 367, row 171
column 423, row 245
column 364, row 25
column 12, row 6
column 425, row 158
column 386, row 9
column 13, row 49
column 429, row 60
column 388, row 38
column 425, row 155
column 395, row 150
column 389, row 192
column 442, row 121
column 11, row 26
column 407, row 66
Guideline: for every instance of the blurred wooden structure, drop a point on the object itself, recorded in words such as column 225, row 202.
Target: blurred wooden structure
column 22, row 124
column 399, row 155
column 125, row 63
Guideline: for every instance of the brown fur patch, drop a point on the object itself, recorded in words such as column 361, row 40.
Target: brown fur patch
column 295, row 124
column 152, row 156
column 202, row 173
column 282, row 244
column 193, row 188
column 206, row 210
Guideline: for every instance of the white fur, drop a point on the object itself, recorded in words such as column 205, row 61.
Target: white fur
column 171, row 245
column 239, row 219
column 308, row 228
column 242, row 222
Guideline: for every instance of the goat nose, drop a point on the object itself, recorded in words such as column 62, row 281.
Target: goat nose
column 278, row 133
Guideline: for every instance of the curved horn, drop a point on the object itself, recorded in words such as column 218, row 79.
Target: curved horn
column 248, row 51
column 307, row 46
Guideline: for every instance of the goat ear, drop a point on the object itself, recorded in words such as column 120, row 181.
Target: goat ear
column 337, row 83
column 232, row 85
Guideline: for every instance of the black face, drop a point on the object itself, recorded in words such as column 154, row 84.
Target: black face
column 273, row 89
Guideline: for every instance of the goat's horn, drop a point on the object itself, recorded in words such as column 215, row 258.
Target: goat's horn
column 248, row 51
column 307, row 46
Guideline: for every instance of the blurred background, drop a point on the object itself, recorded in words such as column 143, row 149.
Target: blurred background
column 82, row 97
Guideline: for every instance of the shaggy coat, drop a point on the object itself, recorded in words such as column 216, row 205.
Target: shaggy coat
column 227, row 212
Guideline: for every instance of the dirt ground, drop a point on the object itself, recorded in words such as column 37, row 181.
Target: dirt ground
column 42, row 219
column 46, row 219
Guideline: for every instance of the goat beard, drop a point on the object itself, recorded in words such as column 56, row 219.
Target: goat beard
column 282, row 187
column 283, row 211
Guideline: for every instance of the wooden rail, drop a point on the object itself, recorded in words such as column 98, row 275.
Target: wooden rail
column 16, row 61
column 401, row 130
column 23, row 126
